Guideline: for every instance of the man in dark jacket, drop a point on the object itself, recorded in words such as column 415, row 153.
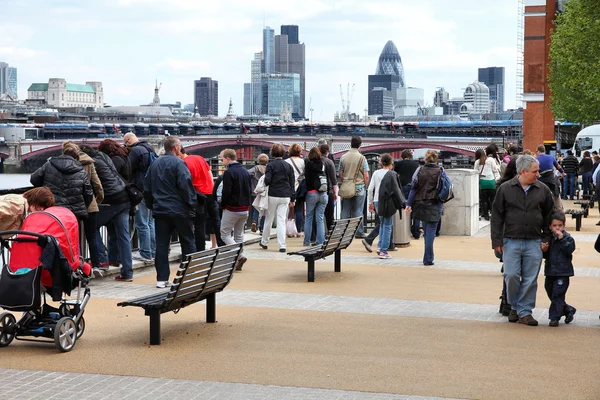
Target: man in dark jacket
column 519, row 230
column 405, row 169
column 140, row 154
column 570, row 165
column 169, row 193
column 235, row 201
column 68, row 182
column 558, row 270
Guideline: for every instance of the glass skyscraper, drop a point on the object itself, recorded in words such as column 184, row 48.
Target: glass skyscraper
column 8, row 80
column 389, row 75
column 291, row 31
column 280, row 92
column 268, row 51
column 493, row 77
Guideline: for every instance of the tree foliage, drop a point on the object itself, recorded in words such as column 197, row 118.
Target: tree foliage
column 574, row 78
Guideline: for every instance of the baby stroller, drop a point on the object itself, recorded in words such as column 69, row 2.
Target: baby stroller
column 43, row 257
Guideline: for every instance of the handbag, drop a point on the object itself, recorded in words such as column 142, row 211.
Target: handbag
column 290, row 228
column 20, row 291
column 134, row 193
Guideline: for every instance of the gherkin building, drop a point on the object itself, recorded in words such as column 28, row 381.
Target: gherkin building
column 390, row 62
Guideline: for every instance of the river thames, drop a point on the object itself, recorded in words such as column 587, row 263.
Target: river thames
column 11, row 181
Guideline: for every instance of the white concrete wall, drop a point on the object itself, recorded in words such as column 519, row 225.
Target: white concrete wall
column 461, row 214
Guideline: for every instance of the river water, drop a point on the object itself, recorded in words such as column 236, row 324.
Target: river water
column 12, row 181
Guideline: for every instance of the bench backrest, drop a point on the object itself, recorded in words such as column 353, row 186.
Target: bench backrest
column 203, row 273
column 340, row 235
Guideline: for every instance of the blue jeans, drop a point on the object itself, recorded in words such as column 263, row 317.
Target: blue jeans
column 144, row 224
column 119, row 241
column 315, row 210
column 586, row 179
column 299, row 214
column 385, row 233
column 429, row 229
column 354, row 207
column 260, row 223
column 569, row 186
column 522, row 259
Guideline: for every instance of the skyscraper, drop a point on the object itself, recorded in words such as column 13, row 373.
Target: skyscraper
column 389, row 75
column 247, row 98
column 493, row 77
column 8, row 80
column 268, row 52
column 290, row 58
column 291, row 31
column 206, row 96
column 281, row 94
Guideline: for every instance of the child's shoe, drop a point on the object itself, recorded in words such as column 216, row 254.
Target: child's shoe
column 569, row 315
column 553, row 322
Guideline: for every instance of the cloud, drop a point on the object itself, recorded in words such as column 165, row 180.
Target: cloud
column 19, row 52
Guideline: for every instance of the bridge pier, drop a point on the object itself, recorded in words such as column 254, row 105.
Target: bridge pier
column 12, row 164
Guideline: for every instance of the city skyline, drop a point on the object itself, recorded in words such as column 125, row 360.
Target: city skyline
column 441, row 45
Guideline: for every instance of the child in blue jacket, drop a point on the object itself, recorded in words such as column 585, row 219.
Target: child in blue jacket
column 558, row 269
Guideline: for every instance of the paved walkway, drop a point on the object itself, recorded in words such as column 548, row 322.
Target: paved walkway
column 29, row 385
column 345, row 305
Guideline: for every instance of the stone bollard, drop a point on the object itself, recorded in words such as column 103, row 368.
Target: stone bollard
column 461, row 214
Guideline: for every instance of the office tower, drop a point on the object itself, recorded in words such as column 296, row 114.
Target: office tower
column 493, row 77
column 389, row 74
column 8, row 80
column 381, row 102
column 247, row 98
column 268, row 52
column 280, row 94
column 291, row 31
column 477, row 95
column 206, row 96
column 255, row 76
column 440, row 97
column 290, row 58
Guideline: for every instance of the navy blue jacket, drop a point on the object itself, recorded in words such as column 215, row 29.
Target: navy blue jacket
column 237, row 188
column 168, row 189
column 279, row 177
column 139, row 158
column 559, row 256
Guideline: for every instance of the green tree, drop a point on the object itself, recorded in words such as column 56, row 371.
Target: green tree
column 574, row 78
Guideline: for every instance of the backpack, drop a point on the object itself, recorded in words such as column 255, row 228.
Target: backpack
column 151, row 155
column 445, row 188
column 323, row 180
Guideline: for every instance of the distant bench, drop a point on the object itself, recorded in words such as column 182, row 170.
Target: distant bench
column 585, row 206
column 200, row 277
column 338, row 238
column 576, row 215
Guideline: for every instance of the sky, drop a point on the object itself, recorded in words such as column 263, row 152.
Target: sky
column 129, row 44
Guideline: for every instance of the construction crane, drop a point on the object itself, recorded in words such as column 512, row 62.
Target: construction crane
column 346, row 103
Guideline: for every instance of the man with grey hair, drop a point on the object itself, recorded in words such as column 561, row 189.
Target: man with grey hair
column 520, row 232
column 323, row 141
column 170, row 195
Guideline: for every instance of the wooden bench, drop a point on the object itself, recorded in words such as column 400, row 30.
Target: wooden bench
column 200, row 277
column 337, row 239
column 576, row 215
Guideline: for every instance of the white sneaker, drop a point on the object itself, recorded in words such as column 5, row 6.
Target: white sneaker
column 139, row 257
column 163, row 284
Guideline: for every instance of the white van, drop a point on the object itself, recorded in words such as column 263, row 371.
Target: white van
column 588, row 139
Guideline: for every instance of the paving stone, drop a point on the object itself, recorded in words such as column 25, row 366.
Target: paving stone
column 16, row 385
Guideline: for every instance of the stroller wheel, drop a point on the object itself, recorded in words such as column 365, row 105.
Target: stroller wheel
column 7, row 322
column 80, row 327
column 65, row 334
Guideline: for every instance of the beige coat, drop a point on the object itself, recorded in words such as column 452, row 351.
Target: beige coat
column 88, row 166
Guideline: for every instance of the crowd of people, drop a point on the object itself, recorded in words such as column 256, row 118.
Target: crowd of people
column 519, row 193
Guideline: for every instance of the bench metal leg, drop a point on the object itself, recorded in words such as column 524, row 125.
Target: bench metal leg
column 211, row 308
column 338, row 261
column 154, row 327
column 311, row 269
column 578, row 222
